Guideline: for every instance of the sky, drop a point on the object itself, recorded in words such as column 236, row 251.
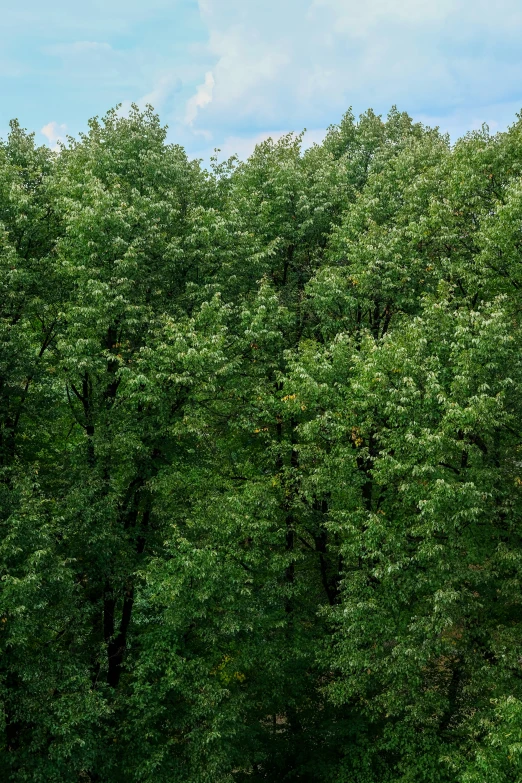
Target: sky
column 229, row 73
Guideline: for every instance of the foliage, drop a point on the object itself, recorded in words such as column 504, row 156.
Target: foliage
column 260, row 473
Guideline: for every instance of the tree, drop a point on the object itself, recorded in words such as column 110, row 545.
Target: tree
column 259, row 472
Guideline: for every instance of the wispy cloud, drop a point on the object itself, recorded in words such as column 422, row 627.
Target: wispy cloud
column 432, row 59
column 228, row 71
column 54, row 133
column 359, row 18
column 202, row 98
column 164, row 87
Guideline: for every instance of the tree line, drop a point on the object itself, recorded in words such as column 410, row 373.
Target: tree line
column 261, row 457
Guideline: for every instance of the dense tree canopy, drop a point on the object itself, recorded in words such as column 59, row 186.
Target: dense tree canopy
column 261, row 458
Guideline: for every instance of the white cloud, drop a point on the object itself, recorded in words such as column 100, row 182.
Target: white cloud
column 54, row 133
column 246, row 69
column 288, row 64
column 201, row 99
column 358, row 18
column 245, row 65
column 249, row 58
column 164, row 86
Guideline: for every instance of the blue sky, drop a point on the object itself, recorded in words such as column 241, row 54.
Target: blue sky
column 228, row 73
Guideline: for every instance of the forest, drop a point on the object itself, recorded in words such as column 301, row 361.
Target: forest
column 261, row 457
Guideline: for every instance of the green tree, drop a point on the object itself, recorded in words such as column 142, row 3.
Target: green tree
column 260, row 482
